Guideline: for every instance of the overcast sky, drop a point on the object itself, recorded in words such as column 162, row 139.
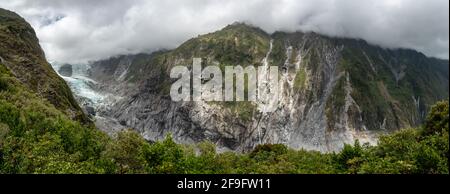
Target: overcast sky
column 77, row 31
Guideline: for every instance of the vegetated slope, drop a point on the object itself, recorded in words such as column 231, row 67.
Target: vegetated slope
column 37, row 136
column 334, row 90
column 22, row 55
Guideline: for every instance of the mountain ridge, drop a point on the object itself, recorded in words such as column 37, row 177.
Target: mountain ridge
column 22, row 55
column 38, row 136
column 338, row 89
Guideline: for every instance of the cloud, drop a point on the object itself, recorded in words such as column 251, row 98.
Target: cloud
column 83, row 30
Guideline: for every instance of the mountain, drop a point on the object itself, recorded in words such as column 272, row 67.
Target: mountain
column 40, row 135
column 335, row 90
column 22, row 57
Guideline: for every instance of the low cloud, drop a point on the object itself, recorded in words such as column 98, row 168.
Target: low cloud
column 83, row 30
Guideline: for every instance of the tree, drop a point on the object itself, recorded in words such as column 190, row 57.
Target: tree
column 164, row 157
column 127, row 152
column 437, row 119
column 350, row 157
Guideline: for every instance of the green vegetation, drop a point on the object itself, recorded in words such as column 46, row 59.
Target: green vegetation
column 40, row 129
column 336, row 102
column 242, row 109
column 278, row 55
column 423, row 150
column 378, row 92
column 236, row 44
column 22, row 55
column 35, row 137
column 372, row 92
column 300, row 79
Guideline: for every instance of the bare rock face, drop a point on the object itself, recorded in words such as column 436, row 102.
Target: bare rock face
column 333, row 91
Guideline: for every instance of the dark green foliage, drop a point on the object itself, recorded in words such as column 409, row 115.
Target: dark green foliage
column 164, row 157
column 437, row 120
column 3, row 79
column 35, row 137
column 349, row 156
column 242, row 109
column 268, row 151
column 406, row 151
column 278, row 55
column 335, row 103
column 385, row 83
column 34, row 142
column 300, row 79
column 22, row 58
column 3, row 84
column 237, row 44
column 126, row 151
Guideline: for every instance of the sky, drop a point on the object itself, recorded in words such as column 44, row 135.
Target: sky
column 78, row 31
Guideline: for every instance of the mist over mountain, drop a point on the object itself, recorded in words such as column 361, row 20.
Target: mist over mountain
column 22, row 56
column 346, row 104
column 80, row 31
column 334, row 91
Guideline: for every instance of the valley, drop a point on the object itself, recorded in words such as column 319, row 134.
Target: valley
column 334, row 91
column 347, row 107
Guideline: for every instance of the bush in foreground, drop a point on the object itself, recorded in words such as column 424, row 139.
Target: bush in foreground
column 36, row 138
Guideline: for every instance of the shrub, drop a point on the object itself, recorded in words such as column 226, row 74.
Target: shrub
column 349, row 157
column 3, row 84
column 37, row 138
column 268, row 152
column 126, row 151
column 437, row 119
column 164, row 157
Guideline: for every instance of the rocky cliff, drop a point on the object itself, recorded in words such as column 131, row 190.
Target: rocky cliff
column 22, row 56
column 334, row 91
